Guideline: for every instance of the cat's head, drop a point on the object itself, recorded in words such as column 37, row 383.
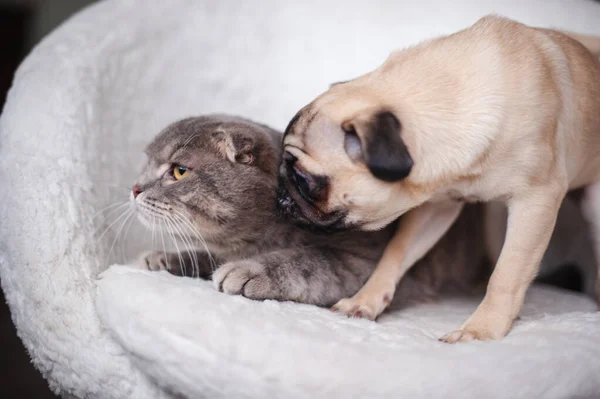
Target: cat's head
column 209, row 173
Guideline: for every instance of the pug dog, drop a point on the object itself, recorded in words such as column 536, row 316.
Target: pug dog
column 499, row 111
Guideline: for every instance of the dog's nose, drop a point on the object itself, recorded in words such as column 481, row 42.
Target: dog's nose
column 136, row 190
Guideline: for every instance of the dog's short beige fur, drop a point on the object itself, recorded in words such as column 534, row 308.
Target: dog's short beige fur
column 498, row 111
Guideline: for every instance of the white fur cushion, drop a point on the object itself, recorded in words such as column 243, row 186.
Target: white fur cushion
column 95, row 91
column 201, row 342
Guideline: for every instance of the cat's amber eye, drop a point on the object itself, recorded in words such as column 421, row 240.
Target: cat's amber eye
column 179, row 172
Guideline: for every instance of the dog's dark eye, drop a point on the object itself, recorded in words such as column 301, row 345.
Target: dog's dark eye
column 352, row 145
column 302, row 182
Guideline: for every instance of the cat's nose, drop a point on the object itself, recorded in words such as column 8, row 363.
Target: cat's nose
column 136, row 190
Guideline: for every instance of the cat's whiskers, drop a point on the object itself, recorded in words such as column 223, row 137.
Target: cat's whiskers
column 179, row 228
column 162, row 237
column 128, row 216
column 123, row 242
column 172, row 236
column 146, row 235
column 153, row 231
column 189, row 245
column 123, row 214
column 176, row 233
column 160, row 223
column 198, row 235
column 189, row 242
column 194, row 230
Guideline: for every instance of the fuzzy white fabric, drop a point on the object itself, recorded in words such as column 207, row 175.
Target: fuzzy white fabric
column 95, row 91
column 197, row 341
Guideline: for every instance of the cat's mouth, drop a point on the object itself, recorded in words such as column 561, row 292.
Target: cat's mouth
column 147, row 216
column 155, row 214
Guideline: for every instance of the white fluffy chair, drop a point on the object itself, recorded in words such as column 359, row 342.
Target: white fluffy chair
column 95, row 91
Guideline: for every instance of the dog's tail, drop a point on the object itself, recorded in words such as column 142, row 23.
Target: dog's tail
column 592, row 43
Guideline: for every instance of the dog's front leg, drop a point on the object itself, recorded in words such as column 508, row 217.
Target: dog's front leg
column 531, row 220
column 418, row 231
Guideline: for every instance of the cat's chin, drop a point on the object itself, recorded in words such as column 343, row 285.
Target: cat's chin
column 185, row 229
column 144, row 221
column 151, row 222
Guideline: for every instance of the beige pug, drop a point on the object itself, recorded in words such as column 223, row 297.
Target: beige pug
column 499, row 111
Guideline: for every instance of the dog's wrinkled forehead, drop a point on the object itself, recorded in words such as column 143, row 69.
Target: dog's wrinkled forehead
column 343, row 135
column 325, row 116
column 295, row 130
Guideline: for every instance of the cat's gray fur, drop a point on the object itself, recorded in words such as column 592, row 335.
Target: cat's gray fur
column 229, row 197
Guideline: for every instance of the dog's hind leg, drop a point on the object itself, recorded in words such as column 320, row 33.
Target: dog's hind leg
column 531, row 219
column 591, row 211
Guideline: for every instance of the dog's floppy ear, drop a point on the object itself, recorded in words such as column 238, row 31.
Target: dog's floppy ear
column 236, row 147
column 383, row 149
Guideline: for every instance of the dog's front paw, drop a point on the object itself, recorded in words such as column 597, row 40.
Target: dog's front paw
column 480, row 326
column 247, row 278
column 460, row 336
column 362, row 306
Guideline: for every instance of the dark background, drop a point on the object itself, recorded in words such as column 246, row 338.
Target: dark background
column 22, row 24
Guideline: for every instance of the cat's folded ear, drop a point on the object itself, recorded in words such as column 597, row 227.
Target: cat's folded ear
column 236, row 147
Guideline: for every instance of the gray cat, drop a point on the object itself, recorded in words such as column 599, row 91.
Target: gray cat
column 211, row 181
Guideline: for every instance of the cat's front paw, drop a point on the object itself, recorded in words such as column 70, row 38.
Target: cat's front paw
column 247, row 278
column 155, row 261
